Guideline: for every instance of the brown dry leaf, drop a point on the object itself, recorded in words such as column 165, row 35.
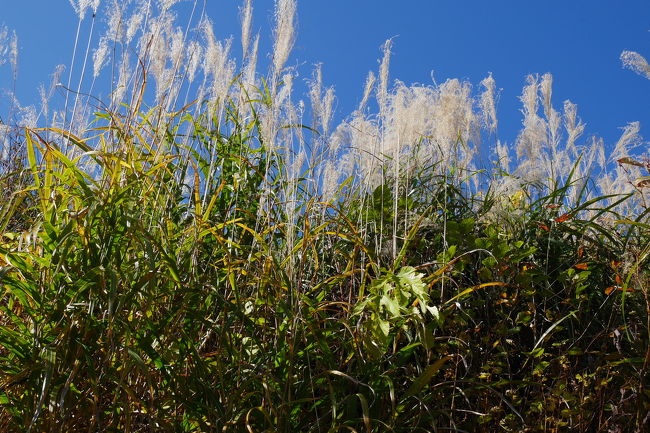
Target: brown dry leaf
column 630, row 161
column 562, row 218
column 611, row 289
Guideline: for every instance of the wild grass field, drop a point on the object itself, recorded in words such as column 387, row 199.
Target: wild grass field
column 200, row 252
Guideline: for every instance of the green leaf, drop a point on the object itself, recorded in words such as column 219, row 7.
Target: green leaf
column 391, row 305
column 426, row 376
column 408, row 278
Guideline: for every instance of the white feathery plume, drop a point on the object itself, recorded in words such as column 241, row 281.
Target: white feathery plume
column 246, row 20
column 115, row 19
column 503, row 155
column 328, row 109
column 80, row 7
column 592, row 159
column 488, row 103
column 546, row 93
column 177, row 49
column 370, row 84
column 216, row 53
column 154, row 48
column 321, row 103
column 4, row 44
column 315, row 94
column 382, row 91
column 364, row 138
column 135, row 22
column 194, row 53
column 573, row 125
column 623, row 178
column 248, row 80
column 8, row 47
column 13, row 53
column 339, row 137
column 27, row 116
column 284, row 33
column 531, row 142
column 100, row 56
column 284, row 95
column 636, row 62
column 43, row 96
column 331, row 176
column 165, row 5
column 121, row 87
column 529, row 95
column 164, row 88
column 630, row 139
column 251, row 63
column 553, row 118
column 455, row 118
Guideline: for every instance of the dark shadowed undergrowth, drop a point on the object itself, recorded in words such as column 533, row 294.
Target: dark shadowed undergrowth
column 177, row 270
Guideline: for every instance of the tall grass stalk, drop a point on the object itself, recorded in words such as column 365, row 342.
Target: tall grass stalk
column 198, row 258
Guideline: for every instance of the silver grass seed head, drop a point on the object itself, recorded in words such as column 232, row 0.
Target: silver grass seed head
column 370, row 84
column 100, row 56
column 13, row 52
column 124, row 77
column 44, row 99
column 328, row 110
column 284, row 32
column 4, row 44
column 382, row 91
column 115, row 20
column 331, row 176
column 284, row 95
column 178, row 49
column 503, row 155
column 246, row 20
column 28, row 117
column 636, row 62
column 8, row 47
column 165, row 5
column 573, row 125
column 629, row 140
column 322, row 103
column 251, row 63
column 134, row 23
column 315, row 93
column 546, row 93
column 529, row 95
column 488, row 103
column 194, row 55
column 80, row 7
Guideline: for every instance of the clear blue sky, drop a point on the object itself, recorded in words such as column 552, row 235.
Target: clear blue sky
column 578, row 41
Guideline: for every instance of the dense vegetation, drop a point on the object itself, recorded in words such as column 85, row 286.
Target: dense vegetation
column 193, row 269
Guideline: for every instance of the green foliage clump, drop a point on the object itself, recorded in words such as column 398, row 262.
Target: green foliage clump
column 149, row 293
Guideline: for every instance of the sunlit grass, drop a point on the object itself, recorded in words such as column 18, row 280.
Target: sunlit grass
column 206, row 266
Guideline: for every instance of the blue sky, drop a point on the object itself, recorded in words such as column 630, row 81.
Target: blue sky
column 578, row 41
